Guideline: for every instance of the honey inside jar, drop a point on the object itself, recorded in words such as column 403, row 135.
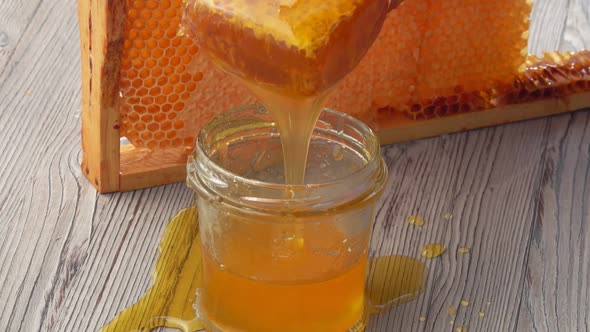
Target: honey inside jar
column 258, row 288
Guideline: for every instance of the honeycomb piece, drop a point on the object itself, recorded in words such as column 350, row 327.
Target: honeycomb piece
column 430, row 48
column 168, row 89
column 299, row 48
column 471, row 44
column 554, row 75
column 458, row 102
column 387, row 74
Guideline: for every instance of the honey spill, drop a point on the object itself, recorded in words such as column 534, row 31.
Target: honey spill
column 464, row 303
column 416, row 220
column 391, row 281
column 447, row 216
column 394, row 280
column 452, row 311
column 433, row 250
column 463, row 250
column 169, row 301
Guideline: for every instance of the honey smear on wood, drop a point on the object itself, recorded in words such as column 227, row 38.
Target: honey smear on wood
column 391, row 281
column 176, row 278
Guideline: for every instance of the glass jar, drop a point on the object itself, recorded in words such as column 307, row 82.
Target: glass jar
column 282, row 257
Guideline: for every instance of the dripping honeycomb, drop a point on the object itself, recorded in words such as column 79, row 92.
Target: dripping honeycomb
column 431, row 59
column 311, row 44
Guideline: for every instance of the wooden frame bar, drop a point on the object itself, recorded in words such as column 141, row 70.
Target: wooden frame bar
column 101, row 38
column 400, row 129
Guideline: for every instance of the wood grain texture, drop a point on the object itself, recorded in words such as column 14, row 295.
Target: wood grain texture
column 70, row 259
column 42, row 201
column 143, row 168
column 548, row 21
column 577, row 28
column 556, row 296
column 495, row 213
column 14, row 21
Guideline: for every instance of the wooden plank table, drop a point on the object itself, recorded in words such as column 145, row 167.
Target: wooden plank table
column 519, row 194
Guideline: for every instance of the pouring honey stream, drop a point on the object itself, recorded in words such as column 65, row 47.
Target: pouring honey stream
column 290, row 53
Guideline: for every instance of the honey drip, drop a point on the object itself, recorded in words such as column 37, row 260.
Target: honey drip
column 416, row 220
column 392, row 281
column 463, row 250
column 433, row 250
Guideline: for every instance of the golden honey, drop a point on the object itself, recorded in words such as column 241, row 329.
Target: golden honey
column 433, row 250
column 392, row 280
column 330, row 301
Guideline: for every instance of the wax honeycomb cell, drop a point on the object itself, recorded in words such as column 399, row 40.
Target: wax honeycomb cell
column 167, row 87
column 553, row 75
column 154, row 73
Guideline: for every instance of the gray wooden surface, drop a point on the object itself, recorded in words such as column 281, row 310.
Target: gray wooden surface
column 71, row 259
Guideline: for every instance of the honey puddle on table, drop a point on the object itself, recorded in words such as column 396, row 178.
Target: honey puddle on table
column 392, row 281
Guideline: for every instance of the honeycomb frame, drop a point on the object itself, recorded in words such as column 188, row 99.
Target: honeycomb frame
column 112, row 166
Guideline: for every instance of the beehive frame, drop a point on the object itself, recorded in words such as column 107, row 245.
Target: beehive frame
column 110, row 166
column 102, row 29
